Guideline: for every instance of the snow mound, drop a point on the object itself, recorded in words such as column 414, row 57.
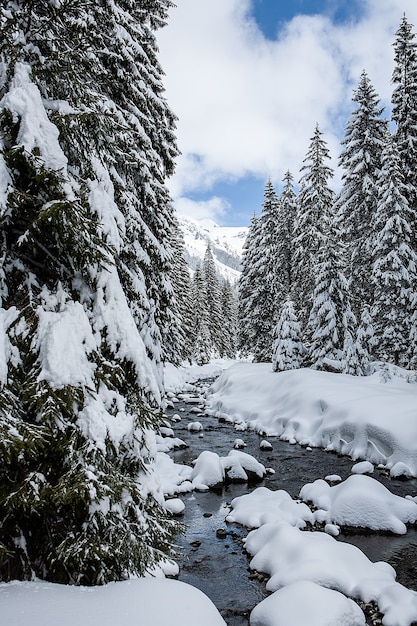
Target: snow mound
column 264, row 506
column 145, row 601
column 207, row 472
column 364, row 467
column 210, row 470
column 240, row 466
column 307, row 603
column 361, row 501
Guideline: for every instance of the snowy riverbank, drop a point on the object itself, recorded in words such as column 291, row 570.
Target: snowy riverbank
column 363, row 417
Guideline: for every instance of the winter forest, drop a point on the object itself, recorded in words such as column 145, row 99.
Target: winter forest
column 329, row 281
column 97, row 298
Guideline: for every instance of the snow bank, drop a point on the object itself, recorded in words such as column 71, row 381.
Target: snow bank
column 290, row 555
column 145, row 602
column 178, row 379
column 307, row 603
column 361, row 501
column 358, row 416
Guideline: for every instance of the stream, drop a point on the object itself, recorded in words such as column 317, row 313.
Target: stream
column 212, row 557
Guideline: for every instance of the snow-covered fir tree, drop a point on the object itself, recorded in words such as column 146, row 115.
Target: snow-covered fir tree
column 86, row 244
column 315, row 201
column 229, row 316
column 356, row 204
column 288, row 350
column 404, row 108
column 286, row 225
column 265, row 271
column 213, row 302
column 180, row 347
column 394, row 265
column 201, row 337
column 248, row 335
column 330, row 316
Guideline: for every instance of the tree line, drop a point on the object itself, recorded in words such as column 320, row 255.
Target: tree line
column 329, row 280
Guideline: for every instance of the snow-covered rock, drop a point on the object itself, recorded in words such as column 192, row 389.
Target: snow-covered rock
column 305, row 603
column 363, row 502
column 263, row 506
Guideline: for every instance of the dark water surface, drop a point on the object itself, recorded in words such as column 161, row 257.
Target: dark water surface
column 212, row 555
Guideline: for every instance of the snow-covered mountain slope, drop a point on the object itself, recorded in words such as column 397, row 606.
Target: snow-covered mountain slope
column 226, row 244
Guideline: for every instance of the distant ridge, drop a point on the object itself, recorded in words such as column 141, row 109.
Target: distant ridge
column 226, row 244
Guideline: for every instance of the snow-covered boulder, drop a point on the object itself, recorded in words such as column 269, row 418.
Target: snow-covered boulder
column 263, row 506
column 265, row 445
column 242, row 467
column 361, row 501
column 305, row 603
column 195, row 427
column 207, row 472
column 363, row 467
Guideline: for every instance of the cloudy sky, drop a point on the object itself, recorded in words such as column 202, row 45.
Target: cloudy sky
column 249, row 80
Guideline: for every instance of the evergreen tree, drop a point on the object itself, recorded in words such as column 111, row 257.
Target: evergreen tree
column 288, row 350
column 356, row 204
column 330, row 317
column 202, row 341
column 180, row 347
column 213, row 302
column 248, row 335
column 229, row 317
column 404, row 108
column 286, row 224
column 258, row 285
column 356, row 357
column 266, row 279
column 394, row 266
column 86, row 228
column 315, row 201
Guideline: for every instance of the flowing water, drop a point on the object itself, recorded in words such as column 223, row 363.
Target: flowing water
column 212, row 557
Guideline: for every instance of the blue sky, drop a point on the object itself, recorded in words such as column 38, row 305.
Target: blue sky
column 249, row 80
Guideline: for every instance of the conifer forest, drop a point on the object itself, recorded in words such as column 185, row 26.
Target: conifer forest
column 96, row 295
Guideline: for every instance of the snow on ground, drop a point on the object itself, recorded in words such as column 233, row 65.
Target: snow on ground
column 363, row 502
column 289, row 555
column 302, row 603
column 263, row 506
column 312, row 575
column 179, row 379
column 138, row 602
column 362, row 417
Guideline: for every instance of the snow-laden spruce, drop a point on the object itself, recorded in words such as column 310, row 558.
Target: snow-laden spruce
column 87, row 301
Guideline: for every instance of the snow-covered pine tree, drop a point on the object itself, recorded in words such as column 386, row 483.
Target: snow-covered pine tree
column 202, row 341
column 248, row 335
column 356, row 203
column 179, row 347
column 213, row 302
column 286, row 218
column 259, row 272
column 355, row 355
column 229, row 316
column 404, row 109
column 394, row 264
column 330, row 316
column 315, row 201
column 85, row 224
column 288, row 350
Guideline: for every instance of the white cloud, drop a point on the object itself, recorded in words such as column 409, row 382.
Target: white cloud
column 214, row 208
column 247, row 105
